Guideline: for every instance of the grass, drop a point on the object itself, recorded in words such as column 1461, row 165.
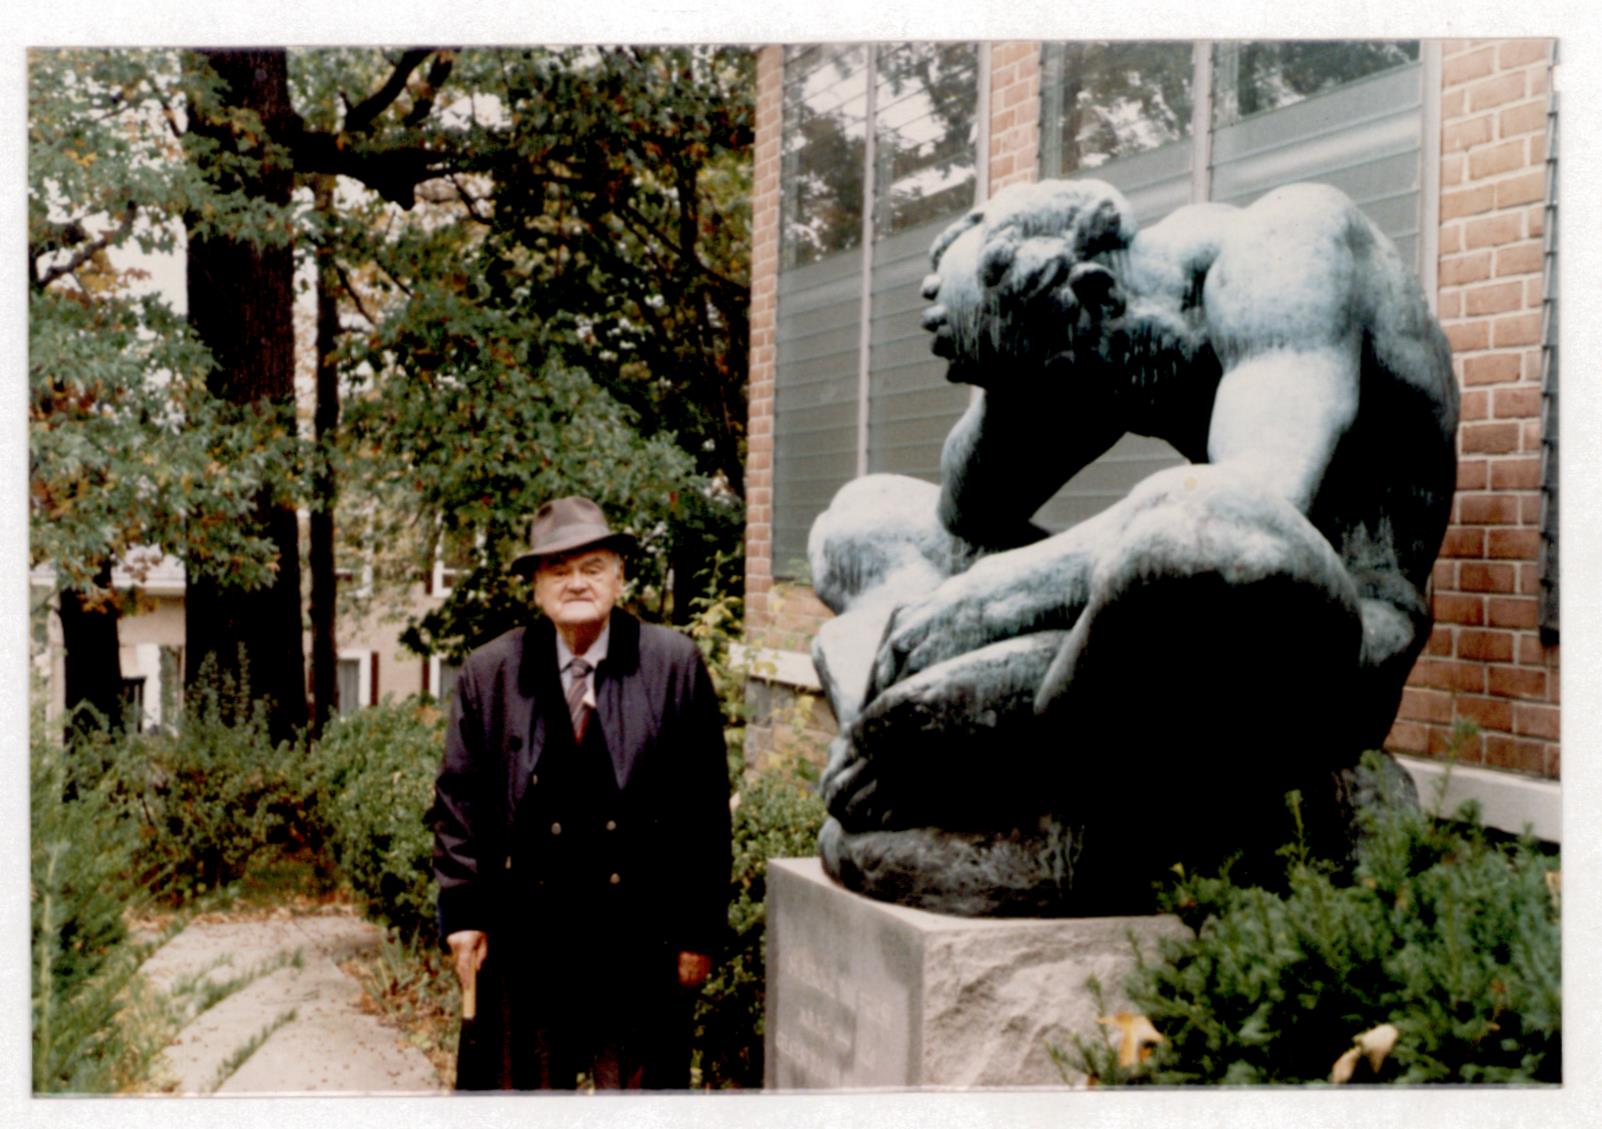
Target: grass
column 411, row 985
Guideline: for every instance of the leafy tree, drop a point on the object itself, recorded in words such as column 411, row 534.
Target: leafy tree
column 127, row 446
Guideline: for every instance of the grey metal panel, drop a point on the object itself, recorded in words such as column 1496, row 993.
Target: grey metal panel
column 1363, row 138
column 1154, row 182
column 815, row 395
column 1132, row 459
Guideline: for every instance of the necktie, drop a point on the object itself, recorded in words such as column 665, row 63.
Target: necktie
column 577, row 710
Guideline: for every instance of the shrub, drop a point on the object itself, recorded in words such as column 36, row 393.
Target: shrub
column 80, row 882
column 374, row 777
column 211, row 795
column 777, row 815
column 1443, row 938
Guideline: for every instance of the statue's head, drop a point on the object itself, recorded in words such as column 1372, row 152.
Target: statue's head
column 1029, row 278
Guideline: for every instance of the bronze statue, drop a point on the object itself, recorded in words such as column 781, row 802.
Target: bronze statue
column 1044, row 724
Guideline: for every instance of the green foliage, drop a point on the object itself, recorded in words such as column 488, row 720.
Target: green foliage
column 94, row 1028
column 1446, row 935
column 374, row 778
column 212, row 795
column 777, row 815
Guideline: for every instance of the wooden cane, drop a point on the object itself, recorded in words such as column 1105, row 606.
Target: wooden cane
column 470, row 993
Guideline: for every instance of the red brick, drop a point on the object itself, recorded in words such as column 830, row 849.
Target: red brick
column 1485, row 646
column 1521, row 189
column 1465, row 68
column 1408, row 737
column 1454, row 104
column 1497, row 298
column 1536, row 221
column 1487, row 713
column 1451, row 238
column 1517, row 403
column 1490, row 438
column 1474, row 406
column 1426, row 705
column 1530, row 509
column 1540, row 81
column 1466, row 336
column 1448, row 304
column 1463, row 543
column 1439, row 674
column 1444, row 744
column 1536, row 721
column 1497, row 91
column 1473, row 201
column 1491, row 160
column 1527, row 117
column 1516, row 682
column 1516, row 474
column 1530, row 577
column 1472, row 474
column 1520, row 258
column 1511, row 611
column 1453, row 607
column 1532, row 436
column 1475, row 577
column 1532, row 653
column 1452, row 170
column 1521, row 52
column 1461, row 269
column 1444, row 575
column 1488, row 509
column 1493, row 231
column 1534, row 291
column 1519, row 756
column 1519, row 329
column 1494, row 368
column 1440, row 643
column 1538, row 150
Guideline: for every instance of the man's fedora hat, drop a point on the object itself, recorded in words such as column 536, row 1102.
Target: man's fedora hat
column 566, row 525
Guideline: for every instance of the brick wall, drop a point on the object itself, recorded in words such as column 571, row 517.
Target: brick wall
column 763, row 349
column 1014, row 114
column 1485, row 662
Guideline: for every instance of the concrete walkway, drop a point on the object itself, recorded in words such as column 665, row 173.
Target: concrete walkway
column 297, row 1026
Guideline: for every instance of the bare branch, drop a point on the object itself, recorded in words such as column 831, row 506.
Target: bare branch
column 438, row 74
column 350, row 288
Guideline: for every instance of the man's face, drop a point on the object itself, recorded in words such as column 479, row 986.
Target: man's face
column 577, row 590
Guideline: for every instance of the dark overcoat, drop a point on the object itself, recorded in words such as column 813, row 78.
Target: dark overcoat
column 661, row 887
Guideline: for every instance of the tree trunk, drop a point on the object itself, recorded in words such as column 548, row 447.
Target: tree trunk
column 240, row 304
column 324, row 581
column 94, row 667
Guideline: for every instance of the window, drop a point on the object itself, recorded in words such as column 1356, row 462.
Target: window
column 871, row 174
column 456, row 553
column 356, row 678
column 440, row 678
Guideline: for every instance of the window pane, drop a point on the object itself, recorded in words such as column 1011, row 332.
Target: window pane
column 350, row 685
column 447, row 679
column 1109, row 101
column 1253, row 78
column 924, row 133
column 825, row 115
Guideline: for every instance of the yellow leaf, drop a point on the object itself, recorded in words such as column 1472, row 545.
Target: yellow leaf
column 1377, row 1042
column 1136, row 1036
column 1344, row 1067
column 1554, row 887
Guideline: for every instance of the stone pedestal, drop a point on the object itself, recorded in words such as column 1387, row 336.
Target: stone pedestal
column 861, row 993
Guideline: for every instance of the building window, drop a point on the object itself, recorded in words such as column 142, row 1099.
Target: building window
column 439, row 678
column 872, row 171
column 355, row 682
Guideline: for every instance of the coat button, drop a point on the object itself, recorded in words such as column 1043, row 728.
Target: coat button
column 615, row 879
column 611, row 825
column 556, row 829
column 533, row 778
column 508, row 862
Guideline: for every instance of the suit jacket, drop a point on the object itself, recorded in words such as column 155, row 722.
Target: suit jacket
column 663, row 728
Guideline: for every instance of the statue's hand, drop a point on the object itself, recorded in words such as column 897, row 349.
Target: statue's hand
column 946, row 623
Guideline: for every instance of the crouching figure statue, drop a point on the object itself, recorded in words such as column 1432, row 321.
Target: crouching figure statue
column 1044, row 724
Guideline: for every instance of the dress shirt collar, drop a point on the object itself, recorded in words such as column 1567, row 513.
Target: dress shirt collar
column 593, row 656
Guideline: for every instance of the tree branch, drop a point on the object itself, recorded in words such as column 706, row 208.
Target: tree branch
column 438, row 74
column 87, row 251
column 360, row 117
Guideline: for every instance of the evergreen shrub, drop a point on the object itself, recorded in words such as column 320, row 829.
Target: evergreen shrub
column 83, row 964
column 374, row 778
column 1442, row 937
column 777, row 815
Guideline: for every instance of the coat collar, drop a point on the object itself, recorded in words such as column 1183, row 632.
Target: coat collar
column 538, row 663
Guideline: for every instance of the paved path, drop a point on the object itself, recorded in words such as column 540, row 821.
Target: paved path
column 317, row 1038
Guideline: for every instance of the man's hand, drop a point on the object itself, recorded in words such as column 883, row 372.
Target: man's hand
column 693, row 969
column 943, row 624
column 469, row 947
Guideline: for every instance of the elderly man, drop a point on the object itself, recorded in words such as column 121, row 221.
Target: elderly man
column 581, row 829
